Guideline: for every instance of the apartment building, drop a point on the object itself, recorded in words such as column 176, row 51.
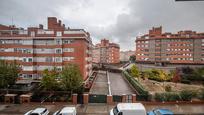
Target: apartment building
column 125, row 55
column 184, row 47
column 36, row 48
column 106, row 52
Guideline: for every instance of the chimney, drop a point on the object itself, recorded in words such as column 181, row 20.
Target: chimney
column 155, row 31
column 59, row 23
column 52, row 22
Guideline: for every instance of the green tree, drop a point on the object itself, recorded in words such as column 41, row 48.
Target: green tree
column 71, row 78
column 132, row 58
column 134, row 71
column 49, row 81
column 8, row 73
column 158, row 75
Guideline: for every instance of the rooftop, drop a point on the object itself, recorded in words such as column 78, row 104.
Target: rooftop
column 68, row 110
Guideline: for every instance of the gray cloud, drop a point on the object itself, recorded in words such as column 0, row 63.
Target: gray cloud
column 120, row 21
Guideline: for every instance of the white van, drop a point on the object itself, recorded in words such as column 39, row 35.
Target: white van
column 128, row 109
column 38, row 111
column 66, row 111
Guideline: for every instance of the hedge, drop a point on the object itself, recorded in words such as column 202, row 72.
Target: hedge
column 139, row 88
column 185, row 95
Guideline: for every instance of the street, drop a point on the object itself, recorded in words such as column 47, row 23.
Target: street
column 97, row 109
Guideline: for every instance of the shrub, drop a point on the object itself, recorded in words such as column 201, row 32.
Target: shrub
column 158, row 75
column 167, row 97
column 202, row 94
column 172, row 97
column 160, row 97
column 187, row 95
column 135, row 84
column 168, row 88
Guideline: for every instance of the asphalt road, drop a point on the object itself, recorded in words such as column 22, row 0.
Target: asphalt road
column 100, row 85
column 119, row 85
column 97, row 109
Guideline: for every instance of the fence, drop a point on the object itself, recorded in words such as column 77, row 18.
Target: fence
column 95, row 98
column 117, row 98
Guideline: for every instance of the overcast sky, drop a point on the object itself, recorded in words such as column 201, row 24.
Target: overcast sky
column 119, row 21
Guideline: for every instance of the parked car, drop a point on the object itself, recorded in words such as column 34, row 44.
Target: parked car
column 66, row 111
column 160, row 112
column 128, row 109
column 38, row 111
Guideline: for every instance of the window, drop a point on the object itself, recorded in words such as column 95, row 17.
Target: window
column 157, row 59
column 30, row 59
column 59, row 33
column 68, row 58
column 32, row 34
column 48, row 59
column 146, row 41
column 58, row 51
column 59, row 69
column 146, row 37
column 146, row 50
column 66, row 41
column 158, row 45
column 15, row 49
column 58, row 59
column 2, row 41
column 2, row 49
column 24, row 59
column 26, row 50
column 68, row 49
column 58, row 42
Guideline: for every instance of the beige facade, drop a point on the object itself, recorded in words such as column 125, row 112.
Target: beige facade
column 125, row 55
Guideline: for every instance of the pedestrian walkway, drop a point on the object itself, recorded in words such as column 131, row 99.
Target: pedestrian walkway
column 100, row 85
column 119, row 85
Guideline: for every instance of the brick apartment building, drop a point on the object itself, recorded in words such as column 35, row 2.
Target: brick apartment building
column 106, row 52
column 184, row 47
column 36, row 48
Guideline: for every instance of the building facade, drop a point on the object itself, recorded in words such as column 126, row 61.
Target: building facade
column 125, row 55
column 106, row 52
column 185, row 47
column 36, row 48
